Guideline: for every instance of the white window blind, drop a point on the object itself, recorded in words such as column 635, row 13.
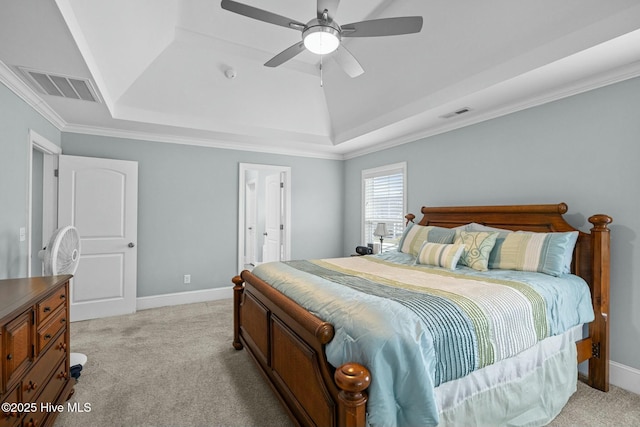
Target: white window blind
column 383, row 193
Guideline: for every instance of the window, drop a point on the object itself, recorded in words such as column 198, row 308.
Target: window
column 384, row 200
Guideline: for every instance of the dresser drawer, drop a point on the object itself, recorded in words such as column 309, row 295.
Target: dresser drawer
column 37, row 376
column 49, row 395
column 47, row 332
column 12, row 418
column 47, row 306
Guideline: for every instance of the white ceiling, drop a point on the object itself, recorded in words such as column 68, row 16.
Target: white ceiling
column 159, row 67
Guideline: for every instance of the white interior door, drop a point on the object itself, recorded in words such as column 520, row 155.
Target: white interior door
column 100, row 198
column 273, row 219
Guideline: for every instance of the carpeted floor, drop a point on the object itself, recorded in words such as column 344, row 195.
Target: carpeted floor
column 175, row 366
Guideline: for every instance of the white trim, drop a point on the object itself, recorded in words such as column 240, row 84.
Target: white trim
column 25, row 92
column 188, row 297
column 31, row 97
column 49, row 188
column 624, row 377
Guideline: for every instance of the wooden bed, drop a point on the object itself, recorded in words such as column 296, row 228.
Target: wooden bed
column 287, row 342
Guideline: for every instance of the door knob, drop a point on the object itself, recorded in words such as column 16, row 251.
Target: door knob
column 131, row 244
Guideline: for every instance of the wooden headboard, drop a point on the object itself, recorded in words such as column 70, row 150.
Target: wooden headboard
column 590, row 261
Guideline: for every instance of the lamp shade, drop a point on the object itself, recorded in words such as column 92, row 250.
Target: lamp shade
column 381, row 230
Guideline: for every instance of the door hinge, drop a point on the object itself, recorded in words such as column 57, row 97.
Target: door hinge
column 55, row 173
column 282, row 185
column 281, row 226
column 595, row 350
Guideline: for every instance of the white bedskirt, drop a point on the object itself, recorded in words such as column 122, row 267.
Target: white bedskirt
column 529, row 389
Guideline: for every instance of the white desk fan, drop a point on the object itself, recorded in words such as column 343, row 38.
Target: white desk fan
column 62, row 256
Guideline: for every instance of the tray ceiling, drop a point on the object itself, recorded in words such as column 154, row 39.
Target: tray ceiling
column 160, row 68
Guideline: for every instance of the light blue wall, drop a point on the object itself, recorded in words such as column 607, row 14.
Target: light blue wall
column 582, row 150
column 16, row 119
column 188, row 208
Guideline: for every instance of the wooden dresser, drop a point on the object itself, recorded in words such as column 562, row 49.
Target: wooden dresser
column 34, row 347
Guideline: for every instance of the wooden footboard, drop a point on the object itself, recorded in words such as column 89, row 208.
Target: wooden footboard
column 287, row 343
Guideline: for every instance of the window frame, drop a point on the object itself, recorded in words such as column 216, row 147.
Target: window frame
column 384, row 170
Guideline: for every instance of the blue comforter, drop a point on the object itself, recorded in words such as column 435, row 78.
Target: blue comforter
column 416, row 327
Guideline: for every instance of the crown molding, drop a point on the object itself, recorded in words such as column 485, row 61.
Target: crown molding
column 203, row 142
column 617, row 75
column 28, row 95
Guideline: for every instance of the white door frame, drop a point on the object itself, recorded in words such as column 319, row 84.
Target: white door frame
column 286, row 232
column 250, row 213
column 50, row 153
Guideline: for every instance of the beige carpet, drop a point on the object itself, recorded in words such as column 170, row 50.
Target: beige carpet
column 175, row 366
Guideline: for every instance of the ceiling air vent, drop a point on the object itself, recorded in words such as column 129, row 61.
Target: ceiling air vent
column 456, row 113
column 64, row 86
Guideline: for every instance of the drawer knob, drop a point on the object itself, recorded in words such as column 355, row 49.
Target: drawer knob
column 63, row 296
column 30, row 386
column 62, row 346
column 47, row 336
column 32, row 423
column 9, row 356
column 63, row 320
column 47, row 309
column 63, row 375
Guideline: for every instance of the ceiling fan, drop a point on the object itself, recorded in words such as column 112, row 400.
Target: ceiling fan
column 322, row 35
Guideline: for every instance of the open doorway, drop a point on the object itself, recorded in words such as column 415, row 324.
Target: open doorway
column 42, row 213
column 264, row 214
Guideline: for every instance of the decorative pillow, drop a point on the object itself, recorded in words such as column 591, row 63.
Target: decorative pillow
column 415, row 235
column 548, row 253
column 440, row 255
column 477, row 247
column 474, row 226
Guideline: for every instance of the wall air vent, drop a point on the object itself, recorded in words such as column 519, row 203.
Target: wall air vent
column 456, row 113
column 64, row 86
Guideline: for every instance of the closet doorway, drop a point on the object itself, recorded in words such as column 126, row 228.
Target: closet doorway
column 264, row 219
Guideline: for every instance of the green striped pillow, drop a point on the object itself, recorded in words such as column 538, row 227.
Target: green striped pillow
column 548, row 253
column 440, row 255
column 415, row 235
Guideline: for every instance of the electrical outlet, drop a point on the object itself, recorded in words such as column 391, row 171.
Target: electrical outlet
column 187, row 279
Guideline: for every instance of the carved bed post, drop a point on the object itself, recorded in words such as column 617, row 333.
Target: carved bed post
column 409, row 218
column 238, row 289
column 352, row 379
column 599, row 328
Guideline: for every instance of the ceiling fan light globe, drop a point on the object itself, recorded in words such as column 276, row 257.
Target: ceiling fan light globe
column 321, row 40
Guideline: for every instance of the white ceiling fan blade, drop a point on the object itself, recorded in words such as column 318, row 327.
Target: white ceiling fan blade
column 331, row 6
column 261, row 15
column 285, row 55
column 383, row 27
column 348, row 62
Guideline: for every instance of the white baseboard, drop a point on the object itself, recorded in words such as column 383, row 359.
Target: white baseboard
column 189, row 297
column 624, row 377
